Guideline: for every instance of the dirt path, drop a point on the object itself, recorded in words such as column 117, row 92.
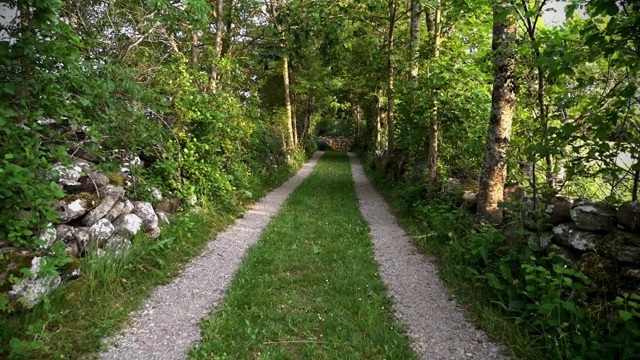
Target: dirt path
column 421, row 301
column 167, row 325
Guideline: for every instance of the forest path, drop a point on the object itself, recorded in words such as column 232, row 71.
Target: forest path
column 166, row 326
column 421, row 301
column 316, row 285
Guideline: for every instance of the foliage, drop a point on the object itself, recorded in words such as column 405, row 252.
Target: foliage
column 538, row 292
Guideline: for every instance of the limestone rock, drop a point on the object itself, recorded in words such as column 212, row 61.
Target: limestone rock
column 128, row 225
column 101, row 210
column 71, row 209
column 629, row 215
column 48, row 235
column 93, row 181
column 117, row 245
column 31, row 290
column 90, row 239
column 601, row 270
column 66, row 175
column 559, row 210
column 631, row 273
column 101, row 231
column 622, row 246
column 570, row 235
column 116, row 211
column 594, row 217
column 110, row 190
column 145, row 211
column 154, row 233
column 65, row 234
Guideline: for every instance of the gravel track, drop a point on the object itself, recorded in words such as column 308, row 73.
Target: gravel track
column 167, row 324
column 421, row 302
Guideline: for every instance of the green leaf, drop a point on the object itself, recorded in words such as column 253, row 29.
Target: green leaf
column 569, row 305
column 625, row 315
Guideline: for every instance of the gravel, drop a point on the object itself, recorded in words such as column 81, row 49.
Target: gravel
column 433, row 319
column 167, row 324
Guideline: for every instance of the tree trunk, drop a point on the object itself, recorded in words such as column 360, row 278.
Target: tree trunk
column 390, row 91
column 502, row 105
column 377, row 103
column 432, row 156
column 636, row 180
column 215, row 76
column 414, row 41
column 194, row 49
column 228, row 23
column 287, row 102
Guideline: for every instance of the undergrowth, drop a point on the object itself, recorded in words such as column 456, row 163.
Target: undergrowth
column 73, row 319
column 532, row 300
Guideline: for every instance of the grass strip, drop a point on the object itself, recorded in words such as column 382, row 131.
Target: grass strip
column 310, row 288
column 74, row 319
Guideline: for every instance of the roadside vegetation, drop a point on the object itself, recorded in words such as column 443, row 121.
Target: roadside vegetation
column 75, row 317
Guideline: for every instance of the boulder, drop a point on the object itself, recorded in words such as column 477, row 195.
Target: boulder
column 110, row 190
column 74, row 207
column 101, row 210
column 93, row 181
column 601, row 270
column 128, row 225
column 116, row 211
column 622, row 246
column 65, row 234
column 154, row 233
column 47, row 235
column 90, row 239
column 101, row 231
column 81, row 235
column 145, row 212
column 629, row 215
column 117, row 245
column 570, row 235
column 559, row 210
column 631, row 273
column 594, row 217
column 32, row 289
column 66, row 175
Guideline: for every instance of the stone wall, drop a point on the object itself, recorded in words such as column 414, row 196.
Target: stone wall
column 341, row 143
column 601, row 240
column 95, row 217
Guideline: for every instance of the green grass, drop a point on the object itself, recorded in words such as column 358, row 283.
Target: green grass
column 76, row 316
column 310, row 287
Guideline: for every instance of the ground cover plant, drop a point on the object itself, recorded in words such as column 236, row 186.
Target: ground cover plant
column 310, row 287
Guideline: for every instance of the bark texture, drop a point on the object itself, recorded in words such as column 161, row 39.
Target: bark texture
column 434, row 126
column 215, row 76
column 502, row 105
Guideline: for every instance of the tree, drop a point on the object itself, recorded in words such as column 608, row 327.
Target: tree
column 503, row 99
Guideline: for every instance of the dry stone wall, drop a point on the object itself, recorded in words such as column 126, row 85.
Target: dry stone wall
column 603, row 241
column 95, row 217
column 341, row 143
